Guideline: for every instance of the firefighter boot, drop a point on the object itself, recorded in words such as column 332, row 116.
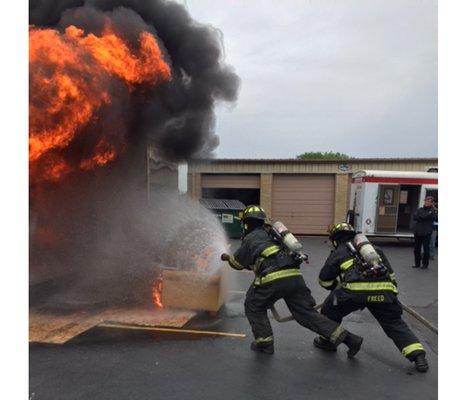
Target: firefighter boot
column 421, row 363
column 321, row 343
column 354, row 343
column 264, row 347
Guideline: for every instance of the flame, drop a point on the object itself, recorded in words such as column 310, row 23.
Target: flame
column 157, row 293
column 104, row 153
column 70, row 75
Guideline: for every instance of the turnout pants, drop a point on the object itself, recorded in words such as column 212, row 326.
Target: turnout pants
column 388, row 316
column 300, row 302
column 424, row 243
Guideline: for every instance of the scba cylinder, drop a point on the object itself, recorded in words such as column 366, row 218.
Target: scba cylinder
column 289, row 240
column 365, row 248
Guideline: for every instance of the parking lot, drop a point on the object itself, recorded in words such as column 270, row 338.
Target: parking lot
column 115, row 364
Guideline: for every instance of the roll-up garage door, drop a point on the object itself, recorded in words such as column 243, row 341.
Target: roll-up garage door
column 304, row 203
column 231, row 181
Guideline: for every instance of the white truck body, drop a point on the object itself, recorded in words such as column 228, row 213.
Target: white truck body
column 382, row 203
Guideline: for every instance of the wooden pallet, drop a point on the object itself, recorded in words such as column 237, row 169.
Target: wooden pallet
column 58, row 327
column 51, row 326
column 174, row 318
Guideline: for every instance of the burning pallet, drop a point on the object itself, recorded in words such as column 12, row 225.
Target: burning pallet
column 178, row 296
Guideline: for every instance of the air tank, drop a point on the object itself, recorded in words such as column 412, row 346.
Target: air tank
column 365, row 248
column 288, row 239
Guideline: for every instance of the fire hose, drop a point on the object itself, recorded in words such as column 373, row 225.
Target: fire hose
column 409, row 310
column 277, row 317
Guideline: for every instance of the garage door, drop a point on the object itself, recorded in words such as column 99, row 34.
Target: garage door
column 231, row 181
column 304, row 203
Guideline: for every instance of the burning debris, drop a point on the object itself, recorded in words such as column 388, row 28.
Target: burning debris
column 157, row 292
column 106, row 78
column 192, row 276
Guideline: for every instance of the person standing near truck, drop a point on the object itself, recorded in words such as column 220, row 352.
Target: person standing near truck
column 424, row 219
column 433, row 238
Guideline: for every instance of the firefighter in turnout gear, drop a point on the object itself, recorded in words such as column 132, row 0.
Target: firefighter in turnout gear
column 360, row 276
column 277, row 276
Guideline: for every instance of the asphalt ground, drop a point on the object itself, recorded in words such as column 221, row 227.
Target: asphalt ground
column 118, row 364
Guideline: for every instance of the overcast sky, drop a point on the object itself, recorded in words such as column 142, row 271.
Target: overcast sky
column 355, row 76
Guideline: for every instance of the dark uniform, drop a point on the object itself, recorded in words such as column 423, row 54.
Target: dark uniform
column 278, row 277
column 424, row 219
column 351, row 291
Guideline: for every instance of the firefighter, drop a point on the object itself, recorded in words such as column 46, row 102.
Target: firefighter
column 278, row 277
column 355, row 288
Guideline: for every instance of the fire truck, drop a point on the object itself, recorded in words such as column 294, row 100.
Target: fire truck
column 383, row 203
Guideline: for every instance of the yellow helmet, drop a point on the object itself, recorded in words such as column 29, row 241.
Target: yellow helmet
column 254, row 212
column 341, row 229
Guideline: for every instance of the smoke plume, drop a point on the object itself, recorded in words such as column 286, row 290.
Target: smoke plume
column 179, row 115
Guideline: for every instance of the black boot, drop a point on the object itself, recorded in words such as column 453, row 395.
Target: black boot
column 354, row 343
column 424, row 266
column 324, row 344
column 421, row 363
column 266, row 348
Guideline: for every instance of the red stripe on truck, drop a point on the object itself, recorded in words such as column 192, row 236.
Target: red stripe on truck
column 404, row 181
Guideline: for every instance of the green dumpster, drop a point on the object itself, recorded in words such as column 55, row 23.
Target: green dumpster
column 229, row 214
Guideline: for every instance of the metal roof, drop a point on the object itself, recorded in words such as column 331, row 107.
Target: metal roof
column 228, row 204
column 295, row 160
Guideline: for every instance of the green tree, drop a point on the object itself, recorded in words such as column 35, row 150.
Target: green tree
column 319, row 155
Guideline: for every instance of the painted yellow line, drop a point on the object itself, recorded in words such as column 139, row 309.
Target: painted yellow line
column 175, row 330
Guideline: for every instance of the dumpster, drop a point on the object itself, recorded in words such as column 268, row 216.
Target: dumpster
column 228, row 212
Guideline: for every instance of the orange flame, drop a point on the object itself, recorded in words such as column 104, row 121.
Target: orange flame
column 69, row 81
column 104, row 152
column 157, row 293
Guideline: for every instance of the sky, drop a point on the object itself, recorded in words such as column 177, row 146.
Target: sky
column 354, row 76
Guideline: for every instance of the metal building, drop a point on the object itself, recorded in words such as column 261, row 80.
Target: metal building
column 307, row 195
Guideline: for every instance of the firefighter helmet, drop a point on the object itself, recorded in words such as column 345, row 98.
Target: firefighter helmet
column 341, row 230
column 254, row 212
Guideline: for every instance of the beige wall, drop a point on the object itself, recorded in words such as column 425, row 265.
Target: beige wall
column 266, row 192
column 341, row 197
column 230, row 181
column 194, row 185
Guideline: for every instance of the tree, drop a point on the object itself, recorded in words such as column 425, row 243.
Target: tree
column 319, row 155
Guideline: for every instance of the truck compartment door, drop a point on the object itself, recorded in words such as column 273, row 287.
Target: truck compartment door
column 387, row 208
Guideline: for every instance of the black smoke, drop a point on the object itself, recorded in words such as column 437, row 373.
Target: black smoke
column 178, row 117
